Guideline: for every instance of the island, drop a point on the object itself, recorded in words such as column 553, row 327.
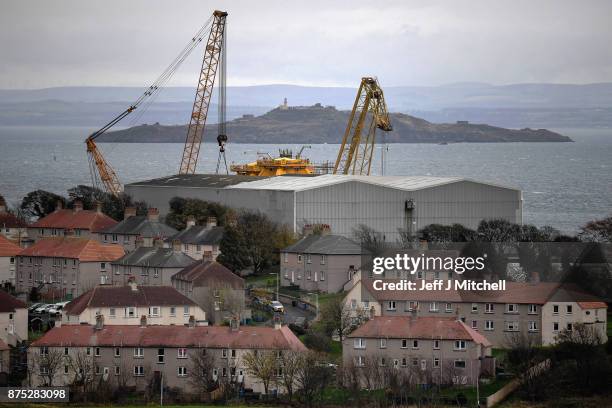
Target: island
column 325, row 124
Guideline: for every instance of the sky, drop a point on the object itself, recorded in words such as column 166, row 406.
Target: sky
column 50, row 43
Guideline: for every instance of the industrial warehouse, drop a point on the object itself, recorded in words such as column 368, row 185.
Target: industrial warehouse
column 384, row 203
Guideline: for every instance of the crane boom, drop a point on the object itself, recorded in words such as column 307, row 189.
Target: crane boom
column 369, row 113
column 102, row 174
column 212, row 57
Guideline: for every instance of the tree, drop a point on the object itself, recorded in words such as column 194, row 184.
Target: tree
column 232, row 248
column 202, row 365
column 446, row 233
column 261, row 364
column 597, row 231
column 83, row 369
column 48, row 363
column 313, row 377
column 183, row 208
column 291, row 363
column 113, row 206
column 370, row 239
column 40, row 203
column 336, row 318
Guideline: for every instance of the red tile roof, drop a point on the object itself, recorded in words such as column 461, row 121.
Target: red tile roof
column 8, row 220
column 592, row 305
column 209, row 273
column 7, row 248
column 83, row 219
column 9, row 304
column 426, row 327
column 246, row 337
column 121, row 296
column 86, row 250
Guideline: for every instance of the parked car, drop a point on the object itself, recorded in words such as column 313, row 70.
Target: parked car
column 277, row 306
column 57, row 308
column 35, row 306
column 42, row 308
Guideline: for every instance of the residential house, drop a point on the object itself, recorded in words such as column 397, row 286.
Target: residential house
column 13, row 320
column 150, row 266
column 320, row 262
column 137, row 230
column 538, row 310
column 77, row 221
column 199, row 241
column 128, row 305
column 135, row 355
column 424, row 350
column 219, row 291
column 11, row 226
column 8, row 252
column 65, row 266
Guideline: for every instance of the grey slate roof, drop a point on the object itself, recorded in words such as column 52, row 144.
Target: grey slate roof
column 325, row 244
column 199, row 235
column 141, row 225
column 156, row 257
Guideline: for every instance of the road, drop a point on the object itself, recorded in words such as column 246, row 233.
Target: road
column 292, row 312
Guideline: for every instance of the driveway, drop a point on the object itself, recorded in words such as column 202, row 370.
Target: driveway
column 292, row 312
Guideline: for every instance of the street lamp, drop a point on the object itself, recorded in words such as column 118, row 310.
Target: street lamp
column 277, row 282
column 316, row 304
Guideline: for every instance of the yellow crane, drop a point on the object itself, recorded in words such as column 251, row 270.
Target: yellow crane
column 103, row 175
column 369, row 113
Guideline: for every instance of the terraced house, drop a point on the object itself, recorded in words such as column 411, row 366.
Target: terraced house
column 65, row 266
column 76, row 222
column 129, row 305
column 199, row 241
column 538, row 310
column 424, row 350
column 8, row 254
column 137, row 230
column 136, row 355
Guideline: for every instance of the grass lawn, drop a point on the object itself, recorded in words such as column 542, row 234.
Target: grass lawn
column 470, row 392
column 262, row 281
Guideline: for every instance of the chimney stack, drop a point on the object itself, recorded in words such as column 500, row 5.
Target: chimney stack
column 99, row 322
column 234, row 323
column 191, row 222
column 59, row 205
column 153, row 214
column 535, row 278
column 308, row 229
column 139, row 242
column 176, row 245
column 132, row 284
column 277, row 323
column 192, row 321
column 129, row 212
column 211, row 222
column 143, row 321
column 207, row 256
column 78, row 206
column 325, row 229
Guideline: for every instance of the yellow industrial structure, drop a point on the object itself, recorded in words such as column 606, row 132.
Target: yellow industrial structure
column 267, row 165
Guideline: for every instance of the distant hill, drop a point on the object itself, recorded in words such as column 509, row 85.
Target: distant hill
column 319, row 124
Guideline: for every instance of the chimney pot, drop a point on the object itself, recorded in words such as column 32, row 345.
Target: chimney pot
column 191, row 222
column 132, row 284
column 153, row 214
column 176, row 245
column 59, row 205
column 277, row 323
column 99, row 322
column 192, row 321
column 211, row 222
column 535, row 277
column 129, row 212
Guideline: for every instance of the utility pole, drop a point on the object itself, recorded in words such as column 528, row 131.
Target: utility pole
column 161, row 391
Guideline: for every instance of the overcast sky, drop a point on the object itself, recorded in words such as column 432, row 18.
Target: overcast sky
column 128, row 43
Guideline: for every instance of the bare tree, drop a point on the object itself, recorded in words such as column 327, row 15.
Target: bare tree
column 83, row 369
column 312, row 377
column 202, row 365
column 48, row 362
column 261, row 364
column 290, row 364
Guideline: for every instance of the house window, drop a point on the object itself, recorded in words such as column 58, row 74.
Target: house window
column 489, row 308
column 117, row 370
column 224, row 353
column 160, row 355
column 433, row 307
column 436, row 344
column 415, row 344
column 115, row 238
column 186, row 311
column 383, row 343
column 138, row 352
column 66, row 351
column 423, row 365
column 412, row 305
column 391, row 305
column 44, row 351
column 570, row 327
column 198, row 248
column 308, row 258
column 112, row 312
column 511, row 308
column 156, row 272
column 556, row 326
column 359, row 343
column 382, row 362
column 360, row 361
column 404, row 362
column 130, row 312
column 172, row 311
column 489, row 325
column 532, row 309
column 459, row 344
column 415, row 362
column 299, row 258
column 117, row 352
column 44, row 370
column 322, row 276
column 285, row 257
column 448, row 308
column 512, row 326
column 279, row 353
column 555, row 309
column 182, row 371
column 436, row 362
column 474, row 307
column 65, row 369
column 459, row 363
column 97, row 350
column 420, row 275
column 533, row 326
column 154, row 311
column 404, row 343
column 323, row 259
column 568, row 309
column 138, row 371
column 98, row 370
column 88, row 351
column 102, row 266
column 475, row 324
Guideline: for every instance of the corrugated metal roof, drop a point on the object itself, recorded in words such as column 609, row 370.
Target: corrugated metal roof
column 325, row 244
column 408, row 183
